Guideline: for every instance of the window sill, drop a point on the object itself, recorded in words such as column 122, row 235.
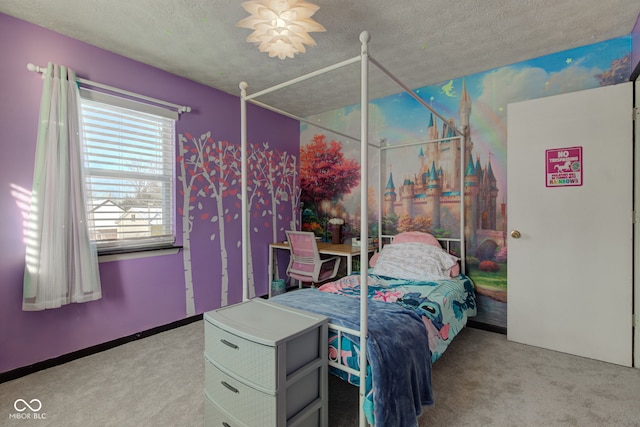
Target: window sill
column 137, row 253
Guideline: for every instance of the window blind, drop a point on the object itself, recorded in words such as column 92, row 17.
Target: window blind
column 129, row 156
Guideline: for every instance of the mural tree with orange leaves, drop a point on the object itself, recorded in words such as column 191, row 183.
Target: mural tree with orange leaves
column 325, row 173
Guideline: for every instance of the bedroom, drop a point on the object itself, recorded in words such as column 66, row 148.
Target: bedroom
column 138, row 295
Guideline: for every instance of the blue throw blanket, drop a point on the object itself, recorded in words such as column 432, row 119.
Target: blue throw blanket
column 397, row 351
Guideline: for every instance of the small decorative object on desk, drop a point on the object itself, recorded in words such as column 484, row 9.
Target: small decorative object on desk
column 336, row 226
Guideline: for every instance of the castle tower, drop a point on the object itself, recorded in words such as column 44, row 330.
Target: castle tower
column 482, row 211
column 389, row 195
column 464, row 110
column 432, row 136
column 449, row 158
column 471, row 190
column 419, row 179
column 433, row 128
column 479, row 172
column 433, row 193
column 492, row 196
column 407, row 193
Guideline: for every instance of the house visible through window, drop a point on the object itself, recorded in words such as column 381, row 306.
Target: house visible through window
column 129, row 150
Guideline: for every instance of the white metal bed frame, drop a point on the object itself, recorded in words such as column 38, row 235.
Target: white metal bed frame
column 364, row 58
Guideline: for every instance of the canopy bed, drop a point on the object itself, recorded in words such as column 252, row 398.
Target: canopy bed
column 430, row 299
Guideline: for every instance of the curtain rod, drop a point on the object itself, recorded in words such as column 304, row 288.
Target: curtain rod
column 181, row 108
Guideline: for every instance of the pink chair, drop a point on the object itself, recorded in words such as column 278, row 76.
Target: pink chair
column 305, row 263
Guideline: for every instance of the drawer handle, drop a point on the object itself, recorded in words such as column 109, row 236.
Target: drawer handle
column 230, row 387
column 230, row 344
column 224, row 424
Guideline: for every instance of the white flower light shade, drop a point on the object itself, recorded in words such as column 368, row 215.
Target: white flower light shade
column 281, row 27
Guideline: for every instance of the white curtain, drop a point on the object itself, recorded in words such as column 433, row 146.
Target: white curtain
column 61, row 261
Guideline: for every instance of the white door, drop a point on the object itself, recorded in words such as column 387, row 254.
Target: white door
column 570, row 270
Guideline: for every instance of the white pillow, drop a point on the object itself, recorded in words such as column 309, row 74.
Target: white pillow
column 414, row 261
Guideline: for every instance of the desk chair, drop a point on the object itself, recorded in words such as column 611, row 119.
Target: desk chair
column 305, row 263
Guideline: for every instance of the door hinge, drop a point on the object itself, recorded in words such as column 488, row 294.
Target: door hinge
column 634, row 217
column 634, row 321
column 635, row 114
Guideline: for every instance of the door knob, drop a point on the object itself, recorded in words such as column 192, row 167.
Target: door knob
column 515, row 234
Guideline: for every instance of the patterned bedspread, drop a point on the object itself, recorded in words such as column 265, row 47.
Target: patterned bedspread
column 444, row 305
column 410, row 325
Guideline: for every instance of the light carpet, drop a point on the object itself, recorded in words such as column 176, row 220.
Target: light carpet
column 481, row 380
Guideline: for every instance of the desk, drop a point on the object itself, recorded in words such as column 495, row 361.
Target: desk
column 324, row 248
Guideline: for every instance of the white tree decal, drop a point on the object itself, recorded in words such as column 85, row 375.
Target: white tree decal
column 187, row 160
column 211, row 169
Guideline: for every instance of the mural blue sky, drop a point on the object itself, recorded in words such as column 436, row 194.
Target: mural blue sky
column 399, row 119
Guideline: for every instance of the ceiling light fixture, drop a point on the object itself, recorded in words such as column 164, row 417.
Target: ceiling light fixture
column 280, row 27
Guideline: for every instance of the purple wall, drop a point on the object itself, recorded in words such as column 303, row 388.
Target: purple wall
column 137, row 294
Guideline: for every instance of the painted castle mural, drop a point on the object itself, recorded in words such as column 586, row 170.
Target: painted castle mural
column 420, row 186
column 434, row 190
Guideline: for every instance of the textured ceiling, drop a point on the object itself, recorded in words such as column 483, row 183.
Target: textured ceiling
column 422, row 42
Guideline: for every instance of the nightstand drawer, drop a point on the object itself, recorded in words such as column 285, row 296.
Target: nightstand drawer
column 246, row 404
column 246, row 359
column 216, row 417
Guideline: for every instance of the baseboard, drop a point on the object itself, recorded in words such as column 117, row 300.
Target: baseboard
column 50, row 363
column 486, row 327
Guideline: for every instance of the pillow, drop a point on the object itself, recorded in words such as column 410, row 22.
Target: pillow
column 420, row 237
column 416, row 236
column 414, row 261
column 407, row 237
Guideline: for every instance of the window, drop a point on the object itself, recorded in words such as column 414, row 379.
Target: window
column 129, row 149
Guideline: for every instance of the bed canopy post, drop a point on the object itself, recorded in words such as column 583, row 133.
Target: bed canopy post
column 463, row 242
column 364, row 220
column 243, row 179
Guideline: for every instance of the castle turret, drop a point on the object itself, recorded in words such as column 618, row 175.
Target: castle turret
column 432, row 146
column 433, row 129
column 470, row 175
column 479, row 172
column 465, row 107
column 389, row 195
column 465, row 113
column 471, row 190
column 407, row 193
column 492, row 197
column 433, row 193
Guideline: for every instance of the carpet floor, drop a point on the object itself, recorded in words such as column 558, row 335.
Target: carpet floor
column 481, row 380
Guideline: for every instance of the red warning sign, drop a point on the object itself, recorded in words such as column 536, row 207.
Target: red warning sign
column 564, row 167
